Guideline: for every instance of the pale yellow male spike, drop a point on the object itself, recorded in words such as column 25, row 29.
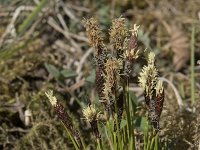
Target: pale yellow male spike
column 90, row 112
column 51, row 97
column 148, row 76
column 149, row 73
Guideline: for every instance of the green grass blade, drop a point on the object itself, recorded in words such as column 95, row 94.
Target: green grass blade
column 22, row 28
column 71, row 137
column 156, row 142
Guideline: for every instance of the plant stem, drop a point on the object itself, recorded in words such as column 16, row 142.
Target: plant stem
column 156, row 142
column 192, row 59
column 72, row 138
column 146, row 133
column 99, row 144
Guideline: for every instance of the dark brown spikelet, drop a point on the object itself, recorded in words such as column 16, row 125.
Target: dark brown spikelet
column 159, row 103
column 133, row 42
column 67, row 121
column 153, row 116
column 147, row 100
column 128, row 68
column 95, row 129
column 132, row 52
column 155, row 106
column 100, row 84
column 120, row 106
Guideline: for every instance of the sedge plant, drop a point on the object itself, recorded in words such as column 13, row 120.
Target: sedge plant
column 113, row 123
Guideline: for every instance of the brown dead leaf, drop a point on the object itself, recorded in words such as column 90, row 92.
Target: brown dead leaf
column 179, row 44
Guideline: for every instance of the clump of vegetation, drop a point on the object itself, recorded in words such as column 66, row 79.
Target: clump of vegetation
column 43, row 46
column 114, row 122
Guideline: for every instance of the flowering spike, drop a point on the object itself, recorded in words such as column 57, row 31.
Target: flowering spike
column 51, row 97
column 148, row 79
column 93, row 32
column 63, row 115
column 153, row 90
column 90, row 113
column 131, row 53
column 112, row 77
column 118, row 34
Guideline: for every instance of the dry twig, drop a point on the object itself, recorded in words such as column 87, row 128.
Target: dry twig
column 178, row 97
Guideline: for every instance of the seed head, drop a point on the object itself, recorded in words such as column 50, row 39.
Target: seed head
column 118, row 33
column 112, row 76
column 93, row 32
